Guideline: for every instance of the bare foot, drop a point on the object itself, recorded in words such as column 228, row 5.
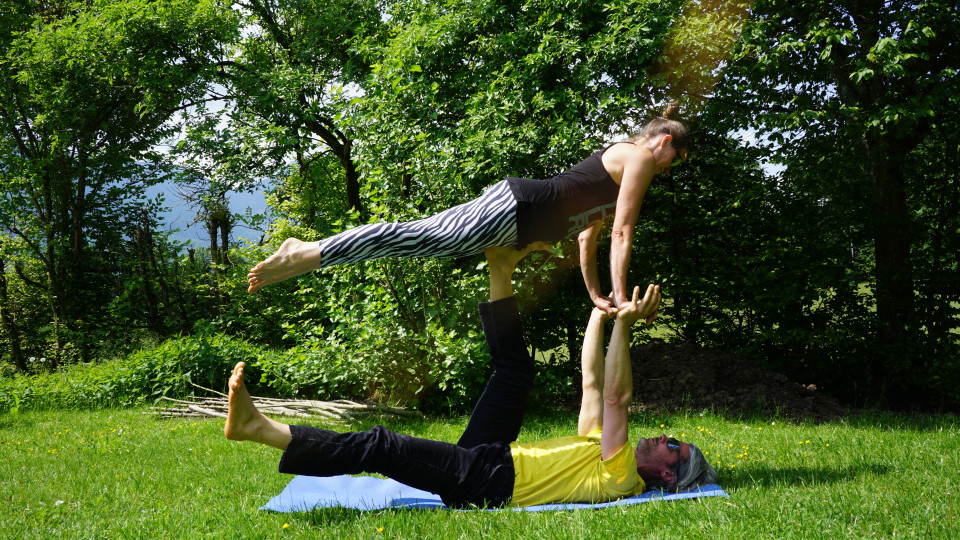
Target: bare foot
column 245, row 422
column 502, row 261
column 510, row 256
column 294, row 257
column 242, row 416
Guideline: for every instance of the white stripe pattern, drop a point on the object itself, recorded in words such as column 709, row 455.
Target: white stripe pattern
column 467, row 229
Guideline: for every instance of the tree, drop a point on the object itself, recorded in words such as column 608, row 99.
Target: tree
column 88, row 90
column 854, row 88
column 290, row 80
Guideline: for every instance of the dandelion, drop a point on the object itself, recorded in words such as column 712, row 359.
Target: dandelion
column 285, row 526
column 379, row 529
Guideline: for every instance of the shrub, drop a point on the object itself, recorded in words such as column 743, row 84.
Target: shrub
column 144, row 376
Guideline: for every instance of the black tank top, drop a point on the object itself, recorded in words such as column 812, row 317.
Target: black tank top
column 560, row 207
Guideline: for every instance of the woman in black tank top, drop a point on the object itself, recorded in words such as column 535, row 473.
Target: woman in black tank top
column 611, row 183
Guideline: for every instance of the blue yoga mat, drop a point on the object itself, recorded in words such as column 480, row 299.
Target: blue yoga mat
column 368, row 493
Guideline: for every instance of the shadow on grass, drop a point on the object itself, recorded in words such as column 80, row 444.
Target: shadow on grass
column 902, row 422
column 760, row 476
column 14, row 420
column 336, row 516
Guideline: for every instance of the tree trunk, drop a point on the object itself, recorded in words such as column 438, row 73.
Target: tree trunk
column 225, row 228
column 154, row 321
column 10, row 324
column 352, row 179
column 214, row 258
column 890, row 223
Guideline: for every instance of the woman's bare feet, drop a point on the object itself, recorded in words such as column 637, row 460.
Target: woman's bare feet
column 294, row 257
column 245, row 422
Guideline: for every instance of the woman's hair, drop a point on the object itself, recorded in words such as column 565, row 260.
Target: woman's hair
column 666, row 125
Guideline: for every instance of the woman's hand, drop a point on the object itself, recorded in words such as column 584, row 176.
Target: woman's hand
column 605, row 304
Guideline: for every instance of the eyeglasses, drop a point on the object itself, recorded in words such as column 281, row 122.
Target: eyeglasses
column 680, row 468
column 682, row 155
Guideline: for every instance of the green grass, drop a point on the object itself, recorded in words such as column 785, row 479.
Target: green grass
column 124, row 474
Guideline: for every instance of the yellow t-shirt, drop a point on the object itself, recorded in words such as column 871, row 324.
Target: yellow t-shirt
column 569, row 469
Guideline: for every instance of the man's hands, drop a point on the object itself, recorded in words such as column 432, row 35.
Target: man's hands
column 636, row 309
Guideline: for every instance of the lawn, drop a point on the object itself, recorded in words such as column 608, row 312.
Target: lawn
column 125, row 474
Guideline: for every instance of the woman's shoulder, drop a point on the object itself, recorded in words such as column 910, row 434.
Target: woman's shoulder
column 626, row 151
column 620, row 156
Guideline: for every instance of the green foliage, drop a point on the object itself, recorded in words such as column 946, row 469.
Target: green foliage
column 468, row 94
column 170, row 369
column 87, row 93
column 825, row 249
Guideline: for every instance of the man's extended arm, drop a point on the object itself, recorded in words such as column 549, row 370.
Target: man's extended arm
column 591, row 360
column 618, row 377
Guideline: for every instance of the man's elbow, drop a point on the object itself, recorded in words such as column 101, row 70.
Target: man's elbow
column 592, row 385
column 621, row 234
column 617, row 399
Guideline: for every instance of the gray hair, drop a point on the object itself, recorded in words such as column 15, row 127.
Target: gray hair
column 694, row 473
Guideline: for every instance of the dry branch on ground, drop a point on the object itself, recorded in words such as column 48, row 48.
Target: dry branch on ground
column 338, row 410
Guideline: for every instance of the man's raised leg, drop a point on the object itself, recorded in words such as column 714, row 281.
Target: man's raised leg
column 245, row 422
column 502, row 262
column 499, row 412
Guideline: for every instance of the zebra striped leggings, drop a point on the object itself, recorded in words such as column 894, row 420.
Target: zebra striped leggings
column 467, row 229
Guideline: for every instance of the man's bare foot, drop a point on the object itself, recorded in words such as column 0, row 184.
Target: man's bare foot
column 242, row 416
column 294, row 257
column 502, row 261
column 245, row 422
column 510, row 256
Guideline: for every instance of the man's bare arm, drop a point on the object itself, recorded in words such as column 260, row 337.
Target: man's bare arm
column 618, row 375
column 591, row 360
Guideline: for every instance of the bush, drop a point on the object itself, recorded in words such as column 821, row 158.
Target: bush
column 144, row 376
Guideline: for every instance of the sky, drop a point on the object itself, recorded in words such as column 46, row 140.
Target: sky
column 180, row 215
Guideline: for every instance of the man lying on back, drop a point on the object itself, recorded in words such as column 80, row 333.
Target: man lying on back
column 487, row 466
